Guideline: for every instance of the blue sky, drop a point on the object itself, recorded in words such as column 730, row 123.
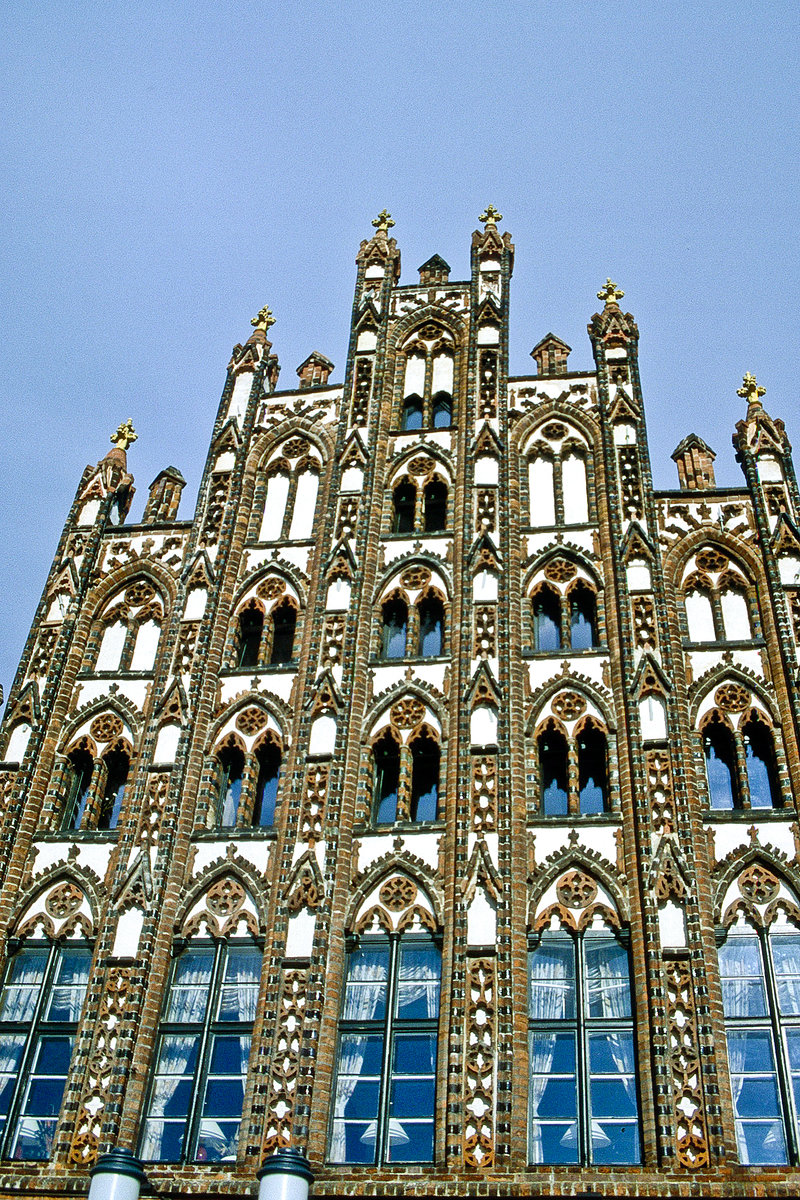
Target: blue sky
column 169, row 168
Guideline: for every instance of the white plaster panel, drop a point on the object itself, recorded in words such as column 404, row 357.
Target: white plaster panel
column 616, row 354
column 728, row 837
column 481, row 920
column 487, row 470
column 134, row 689
column 257, row 853
column 671, row 925
column 338, row 598
column 18, row 743
column 624, row 434
column 639, row 576
column 167, row 743
column 323, row 735
column 367, row 340
column 300, row 938
column 374, row 271
column 196, row 602
column 127, row 934
column 483, row 726
column 488, row 335
column 789, row 568
column 490, row 264
column 298, row 556
column 241, row 394
column 484, row 586
column 304, row 506
column 769, row 469
column 352, row 479
column 94, row 855
column 433, row 437
column 88, row 513
column 274, row 507
column 537, row 542
column 600, row 838
column 225, row 461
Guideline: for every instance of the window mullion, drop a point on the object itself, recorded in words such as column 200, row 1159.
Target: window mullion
column 581, row 1059
column 386, row 1066
column 784, row 1075
column 201, row 1070
column 28, row 1051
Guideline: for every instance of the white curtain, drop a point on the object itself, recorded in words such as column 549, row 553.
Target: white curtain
column 189, row 993
column 551, row 998
column 66, row 998
column 177, row 1052
column 20, row 994
column 786, row 956
column 365, row 992
column 418, row 979
column 240, row 992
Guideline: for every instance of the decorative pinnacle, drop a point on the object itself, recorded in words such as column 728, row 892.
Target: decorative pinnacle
column 490, row 216
column 124, row 436
column 750, row 391
column 264, row 319
column 610, row 293
column 383, row 222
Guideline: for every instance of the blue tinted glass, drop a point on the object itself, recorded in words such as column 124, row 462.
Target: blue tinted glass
column 552, row 980
column 365, row 991
column 742, row 973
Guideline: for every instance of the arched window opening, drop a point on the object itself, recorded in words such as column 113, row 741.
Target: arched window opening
column 404, row 499
column 541, row 490
column 583, row 617
column 146, row 646
column 194, row 1109
column 117, row 765
column 547, row 620
column 573, row 482
column 762, row 769
column 553, row 772
column 720, row 752
column 442, row 410
column 431, row 627
column 386, row 756
column 435, row 506
column 425, row 765
column 412, row 412
column 284, row 621
column 735, row 615
column 79, row 786
column 592, row 770
column 251, row 628
column 40, row 1006
column 395, row 628
column 700, row 616
column 231, row 761
column 268, row 759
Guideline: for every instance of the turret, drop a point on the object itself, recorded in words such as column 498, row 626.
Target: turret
column 695, row 462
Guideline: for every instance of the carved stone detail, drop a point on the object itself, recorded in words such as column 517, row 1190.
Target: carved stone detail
column 97, row 1094
column 479, row 1066
column 187, row 644
column 408, row 713
column 106, row 727
column 313, row 809
column 630, row 484
column 284, row 1063
column 348, row 517
column 225, row 898
column 397, row 893
column 486, row 509
column 568, row 705
column 644, row 623
column 485, row 631
column 576, row 890
column 251, row 721
column 710, row 559
column 40, row 660
column 422, row 465
column 487, row 404
column 294, row 448
column 560, row 570
column 690, row 1127
column 415, row 578
column 63, row 901
column 332, row 637
column 361, row 392
column 660, row 792
column 758, row 884
column 157, row 790
column 484, row 793
column 271, row 588
column 732, row 697
column 139, row 593
column 305, row 893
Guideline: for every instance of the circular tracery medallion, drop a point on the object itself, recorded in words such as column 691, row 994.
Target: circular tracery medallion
column 576, row 889
column 758, row 884
column 397, row 893
column 732, row 697
column 711, row 560
column 139, row 593
column 407, row 713
column 271, row 588
column 560, row 570
column 250, row 721
column 415, row 578
column 106, row 727
column 568, row 706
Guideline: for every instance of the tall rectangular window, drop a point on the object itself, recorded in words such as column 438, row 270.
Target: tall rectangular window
column 583, row 1101
column 197, row 1091
column 386, row 1068
column 40, row 1005
column 761, row 1000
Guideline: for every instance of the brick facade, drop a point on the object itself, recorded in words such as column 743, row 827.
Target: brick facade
column 675, row 635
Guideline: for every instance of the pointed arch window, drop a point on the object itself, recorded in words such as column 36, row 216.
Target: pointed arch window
column 760, row 975
column 40, row 1006
column 430, row 612
column 385, row 1091
column 405, row 506
column 284, row 621
column 420, row 509
column 290, row 501
column 231, row 761
column 558, row 486
column 247, row 784
column 582, row 617
column 592, row 769
column 583, row 1098
column 94, row 788
column 268, row 763
column 386, row 757
column 428, row 383
column 573, row 773
column 741, row 763
column 250, row 632
column 720, row 611
column 435, row 506
column 425, row 766
column 196, row 1096
column 553, row 772
column 131, row 630
column 395, row 628
column 546, row 620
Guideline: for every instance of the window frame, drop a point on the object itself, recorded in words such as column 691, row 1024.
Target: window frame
column 776, row 1024
column 34, row 1032
column 389, row 1027
column 206, row 1031
column 582, row 1025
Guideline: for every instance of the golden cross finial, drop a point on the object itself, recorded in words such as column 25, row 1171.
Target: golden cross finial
column 490, row 216
column 264, row 319
column 383, row 222
column 125, row 435
column 750, row 391
column 610, row 293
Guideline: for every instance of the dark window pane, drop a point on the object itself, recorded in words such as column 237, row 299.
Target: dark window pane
column 553, row 772
column 269, row 768
column 284, row 621
column 547, row 620
column 412, row 413
column 616, row 1142
column 251, row 627
column 721, row 766
column 71, row 981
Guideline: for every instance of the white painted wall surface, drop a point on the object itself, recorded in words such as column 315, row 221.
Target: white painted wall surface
column 540, row 484
column 415, row 375
column 700, row 617
column 18, row 743
column 735, row 616
column 304, row 505
column 111, row 647
column 274, row 508
column 144, row 652
column 483, row 726
column 573, row 482
column 323, row 736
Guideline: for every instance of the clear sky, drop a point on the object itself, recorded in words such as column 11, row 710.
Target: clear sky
column 170, row 167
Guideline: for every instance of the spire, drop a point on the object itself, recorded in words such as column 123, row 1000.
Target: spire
column 380, row 248
column 695, row 461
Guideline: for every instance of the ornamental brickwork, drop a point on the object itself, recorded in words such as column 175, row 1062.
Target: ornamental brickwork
column 427, row 801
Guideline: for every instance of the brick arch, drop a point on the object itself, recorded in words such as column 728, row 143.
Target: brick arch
column 764, row 862
column 404, row 329
column 739, row 551
column 551, row 554
column 121, row 578
column 282, row 570
column 585, row 863
column 280, row 713
column 117, row 704
column 265, row 443
column 405, row 865
column 239, row 873
column 728, row 673
column 396, row 466
column 555, row 410
column 31, row 911
column 583, row 687
column 405, row 690
column 399, row 565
